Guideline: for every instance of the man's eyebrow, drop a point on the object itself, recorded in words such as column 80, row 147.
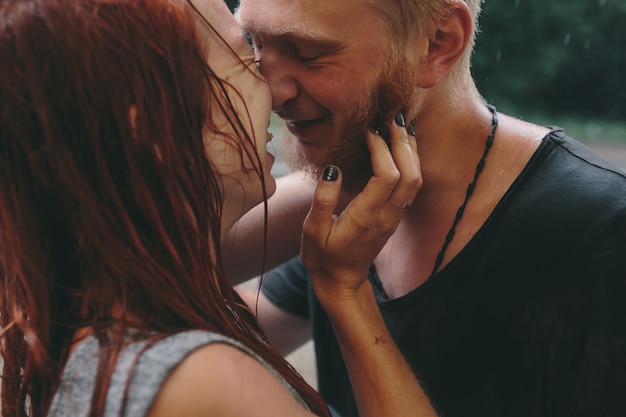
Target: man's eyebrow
column 300, row 37
column 293, row 31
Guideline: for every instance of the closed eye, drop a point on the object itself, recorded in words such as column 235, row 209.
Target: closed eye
column 308, row 56
column 249, row 39
column 255, row 43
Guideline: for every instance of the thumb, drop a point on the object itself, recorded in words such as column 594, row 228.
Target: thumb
column 324, row 201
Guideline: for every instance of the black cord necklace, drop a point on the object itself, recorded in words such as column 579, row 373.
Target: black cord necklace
column 470, row 189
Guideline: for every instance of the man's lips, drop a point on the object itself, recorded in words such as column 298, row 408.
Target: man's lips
column 306, row 130
column 301, row 124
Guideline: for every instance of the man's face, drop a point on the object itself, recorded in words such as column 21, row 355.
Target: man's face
column 326, row 62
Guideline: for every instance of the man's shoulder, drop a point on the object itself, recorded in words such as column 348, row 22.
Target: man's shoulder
column 564, row 169
column 592, row 164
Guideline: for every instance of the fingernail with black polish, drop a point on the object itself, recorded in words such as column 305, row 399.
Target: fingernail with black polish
column 410, row 129
column 375, row 131
column 399, row 119
column 331, row 173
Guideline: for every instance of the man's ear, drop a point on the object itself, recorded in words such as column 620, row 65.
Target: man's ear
column 443, row 42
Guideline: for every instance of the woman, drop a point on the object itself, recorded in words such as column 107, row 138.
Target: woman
column 124, row 157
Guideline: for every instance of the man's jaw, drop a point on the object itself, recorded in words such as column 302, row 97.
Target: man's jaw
column 352, row 157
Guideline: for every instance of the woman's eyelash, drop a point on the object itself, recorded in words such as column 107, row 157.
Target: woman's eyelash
column 249, row 39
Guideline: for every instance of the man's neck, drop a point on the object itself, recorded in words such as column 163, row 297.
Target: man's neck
column 450, row 141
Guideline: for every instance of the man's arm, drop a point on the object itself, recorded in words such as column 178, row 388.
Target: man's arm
column 284, row 330
column 283, row 305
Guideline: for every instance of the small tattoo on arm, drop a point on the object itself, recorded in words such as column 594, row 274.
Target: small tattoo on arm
column 380, row 340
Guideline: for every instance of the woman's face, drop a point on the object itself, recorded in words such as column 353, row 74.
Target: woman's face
column 242, row 188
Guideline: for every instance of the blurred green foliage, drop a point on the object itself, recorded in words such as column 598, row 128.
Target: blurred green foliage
column 559, row 57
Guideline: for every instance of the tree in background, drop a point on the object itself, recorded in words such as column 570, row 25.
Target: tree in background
column 561, row 57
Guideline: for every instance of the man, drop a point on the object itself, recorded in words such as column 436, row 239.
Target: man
column 502, row 284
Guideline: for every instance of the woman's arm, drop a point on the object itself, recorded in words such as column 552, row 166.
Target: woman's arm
column 244, row 244
column 339, row 250
column 220, row 380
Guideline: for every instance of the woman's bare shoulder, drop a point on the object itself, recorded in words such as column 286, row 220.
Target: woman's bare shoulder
column 221, row 380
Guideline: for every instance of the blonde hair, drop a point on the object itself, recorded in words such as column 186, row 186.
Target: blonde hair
column 404, row 18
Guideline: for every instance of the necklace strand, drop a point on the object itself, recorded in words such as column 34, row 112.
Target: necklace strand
column 470, row 189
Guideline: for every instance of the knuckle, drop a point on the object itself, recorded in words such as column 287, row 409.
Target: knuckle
column 419, row 182
column 414, row 179
column 391, row 178
column 373, row 223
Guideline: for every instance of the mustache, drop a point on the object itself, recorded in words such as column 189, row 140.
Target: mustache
column 292, row 112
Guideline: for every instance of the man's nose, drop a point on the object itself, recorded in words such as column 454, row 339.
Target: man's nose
column 283, row 85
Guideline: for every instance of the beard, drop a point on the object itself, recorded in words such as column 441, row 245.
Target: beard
column 392, row 93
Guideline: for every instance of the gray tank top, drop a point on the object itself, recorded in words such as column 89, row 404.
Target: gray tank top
column 151, row 368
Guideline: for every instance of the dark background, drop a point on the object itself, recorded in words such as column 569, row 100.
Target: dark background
column 560, row 57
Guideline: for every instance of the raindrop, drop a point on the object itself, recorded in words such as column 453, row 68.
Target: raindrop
column 498, row 55
column 567, row 39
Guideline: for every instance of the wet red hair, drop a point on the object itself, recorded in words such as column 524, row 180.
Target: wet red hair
column 101, row 208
